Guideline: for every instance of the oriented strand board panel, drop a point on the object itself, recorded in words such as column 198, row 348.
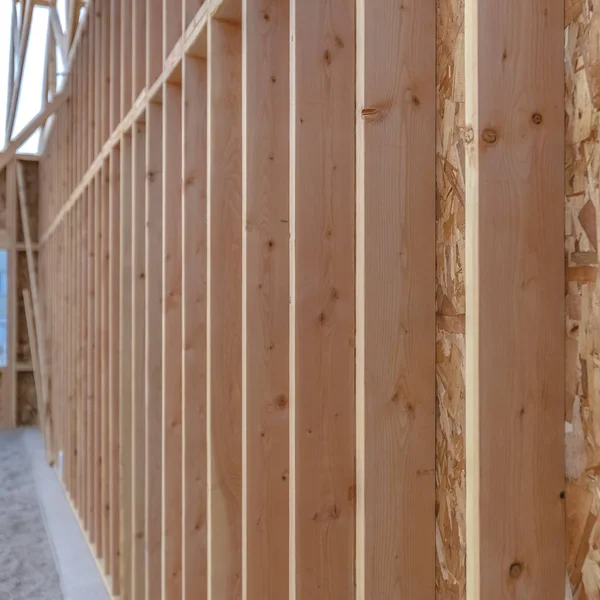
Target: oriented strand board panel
column 515, row 293
column 450, row 303
column 195, row 525
column 582, row 207
column 396, row 301
column 322, row 215
column 225, row 308
column 266, row 292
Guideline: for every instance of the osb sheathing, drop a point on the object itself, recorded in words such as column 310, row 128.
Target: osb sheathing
column 450, row 292
column 30, row 172
column 582, row 205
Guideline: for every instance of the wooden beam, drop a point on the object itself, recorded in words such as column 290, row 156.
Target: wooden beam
column 59, row 35
column 126, row 307
column 195, row 525
column 322, row 295
column 14, row 39
column 172, row 347
column 266, row 276
column 138, row 384
column 153, row 354
column 33, row 344
column 21, row 55
column 12, row 146
column 395, row 346
column 225, row 308
column 12, row 211
column 114, row 251
column 515, row 297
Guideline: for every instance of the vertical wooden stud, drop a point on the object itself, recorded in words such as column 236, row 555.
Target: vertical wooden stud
column 138, row 336
column 266, row 291
column 172, row 348
column 514, row 79
column 153, row 354
column 322, row 360
column 195, row 583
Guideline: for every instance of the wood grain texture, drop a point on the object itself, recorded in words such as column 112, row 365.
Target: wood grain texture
column 172, row 347
column 126, row 474
column 515, row 294
column 225, row 309
column 104, row 362
column 139, row 46
column 153, row 351
column 138, row 381
column 396, row 300
column 265, row 392
column 90, row 362
column 322, row 213
column 154, row 36
column 126, row 66
column 98, row 429
column 115, row 63
column 114, row 365
column 195, row 570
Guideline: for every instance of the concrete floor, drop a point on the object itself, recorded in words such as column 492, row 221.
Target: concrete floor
column 78, row 573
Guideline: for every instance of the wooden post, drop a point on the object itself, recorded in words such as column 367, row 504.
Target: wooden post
column 266, row 292
column 395, row 271
column 225, row 307
column 322, row 362
column 138, row 382
column 153, row 355
column 194, row 274
column 126, row 473
column 172, row 347
column 515, row 299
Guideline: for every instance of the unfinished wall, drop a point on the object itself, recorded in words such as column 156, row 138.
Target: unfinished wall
column 582, row 207
column 240, row 336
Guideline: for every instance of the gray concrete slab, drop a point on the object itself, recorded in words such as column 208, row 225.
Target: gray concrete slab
column 78, row 572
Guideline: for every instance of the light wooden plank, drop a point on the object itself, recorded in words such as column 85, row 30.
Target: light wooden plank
column 105, row 74
column 126, row 71
column 396, row 301
column 139, row 47
column 514, row 79
column 9, row 399
column 104, row 364
column 225, row 309
column 266, row 292
column 33, row 341
column 153, row 353
column 172, row 343
column 97, row 530
column 90, row 361
column 115, row 63
column 138, row 386
column 113, row 365
column 322, row 214
column 154, row 36
column 126, row 306
column 195, row 580
column 172, row 24
column 97, row 74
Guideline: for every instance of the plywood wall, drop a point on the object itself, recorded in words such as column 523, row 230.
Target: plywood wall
column 450, row 304
column 582, row 207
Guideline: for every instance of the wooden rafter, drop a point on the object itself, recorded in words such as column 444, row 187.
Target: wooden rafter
column 22, row 52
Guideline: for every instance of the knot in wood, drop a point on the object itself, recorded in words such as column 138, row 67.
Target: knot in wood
column 537, row 119
column 469, row 135
column 515, row 570
column 489, row 136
